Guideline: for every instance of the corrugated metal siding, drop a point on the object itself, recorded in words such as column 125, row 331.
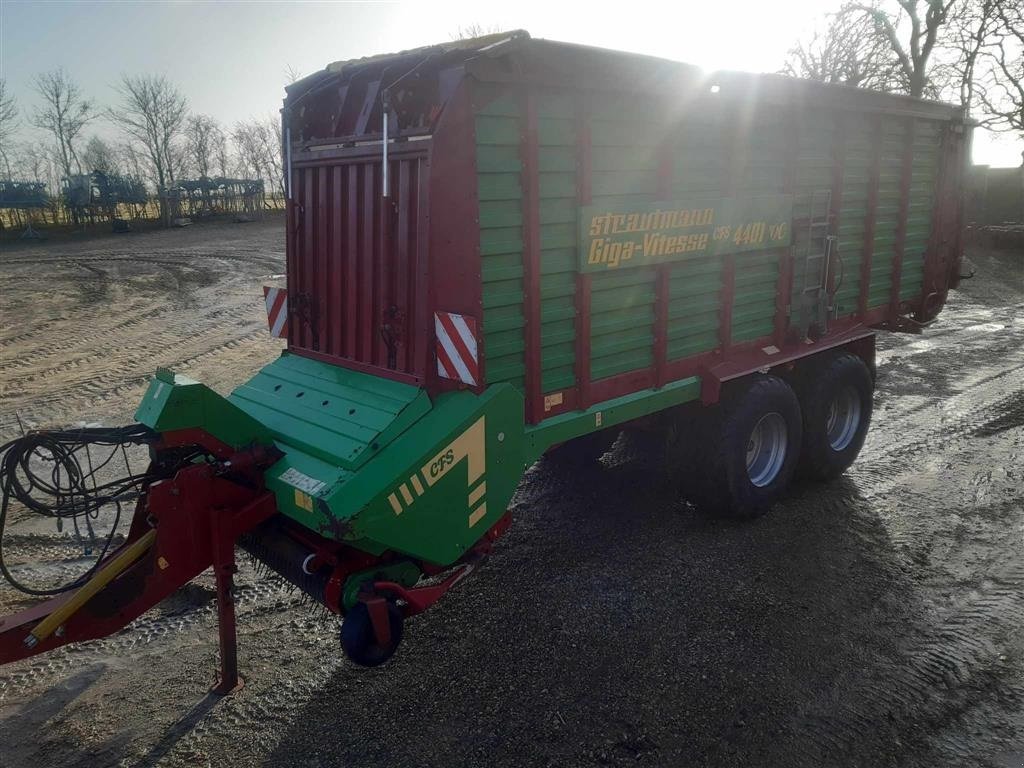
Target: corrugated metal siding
column 624, row 162
column 340, row 282
column 815, row 162
column 923, row 178
column 761, row 171
column 888, row 211
column 501, row 239
column 857, row 157
column 559, row 213
column 700, row 168
column 625, row 159
column 694, row 310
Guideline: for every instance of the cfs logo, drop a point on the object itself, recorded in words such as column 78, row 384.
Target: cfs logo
column 470, row 447
column 441, row 463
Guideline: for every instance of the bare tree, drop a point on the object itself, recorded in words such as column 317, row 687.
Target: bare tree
column 291, row 74
column 968, row 35
column 259, row 148
column 1002, row 97
column 476, row 29
column 152, row 112
column 203, row 138
column 847, row 52
column 64, row 113
column 98, row 155
column 911, row 48
column 8, row 124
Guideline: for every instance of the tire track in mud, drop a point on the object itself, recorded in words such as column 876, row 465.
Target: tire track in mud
column 954, row 659
column 137, row 350
column 165, row 257
column 261, row 597
column 137, row 317
column 83, row 396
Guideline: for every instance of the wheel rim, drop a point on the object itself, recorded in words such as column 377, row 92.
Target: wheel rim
column 843, row 418
column 766, row 449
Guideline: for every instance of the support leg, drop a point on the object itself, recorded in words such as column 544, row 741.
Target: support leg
column 228, row 680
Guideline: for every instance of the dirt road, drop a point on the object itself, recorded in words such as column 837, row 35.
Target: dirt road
column 878, row 621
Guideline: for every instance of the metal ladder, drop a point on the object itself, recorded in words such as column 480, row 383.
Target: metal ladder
column 818, row 249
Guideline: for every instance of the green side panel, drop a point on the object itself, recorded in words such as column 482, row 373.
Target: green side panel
column 556, row 137
column 700, row 160
column 753, row 306
column 858, row 149
column 174, row 402
column 430, row 493
column 923, row 179
column 624, row 161
column 694, row 310
column 499, row 186
column 888, row 211
column 621, row 321
column 334, row 414
column 815, row 147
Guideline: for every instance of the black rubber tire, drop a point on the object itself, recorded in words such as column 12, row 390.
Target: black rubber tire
column 818, row 388
column 720, row 482
column 358, row 640
column 583, row 450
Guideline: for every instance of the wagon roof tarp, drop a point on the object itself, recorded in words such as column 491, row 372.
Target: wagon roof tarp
column 514, row 55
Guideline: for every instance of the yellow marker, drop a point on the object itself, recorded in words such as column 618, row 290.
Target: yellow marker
column 303, row 500
column 395, row 504
column 476, row 494
column 416, row 484
column 477, row 514
column 405, row 494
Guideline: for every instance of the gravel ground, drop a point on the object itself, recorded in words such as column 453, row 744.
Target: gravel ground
column 875, row 621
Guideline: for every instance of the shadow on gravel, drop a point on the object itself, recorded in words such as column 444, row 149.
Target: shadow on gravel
column 17, row 745
column 180, row 729
column 719, row 642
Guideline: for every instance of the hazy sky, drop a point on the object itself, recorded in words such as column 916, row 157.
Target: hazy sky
column 230, row 57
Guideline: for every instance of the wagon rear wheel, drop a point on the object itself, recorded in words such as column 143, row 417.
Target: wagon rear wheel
column 836, row 403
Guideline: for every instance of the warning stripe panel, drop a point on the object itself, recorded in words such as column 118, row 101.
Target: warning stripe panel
column 276, row 300
column 457, row 356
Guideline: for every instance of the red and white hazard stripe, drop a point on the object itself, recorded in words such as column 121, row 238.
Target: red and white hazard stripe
column 277, row 311
column 456, row 347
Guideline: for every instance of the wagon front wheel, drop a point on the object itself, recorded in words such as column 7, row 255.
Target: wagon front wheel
column 365, row 644
column 750, row 444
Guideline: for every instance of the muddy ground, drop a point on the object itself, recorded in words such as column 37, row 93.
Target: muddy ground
column 876, row 621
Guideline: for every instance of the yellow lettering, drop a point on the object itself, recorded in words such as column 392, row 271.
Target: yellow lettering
column 599, row 224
